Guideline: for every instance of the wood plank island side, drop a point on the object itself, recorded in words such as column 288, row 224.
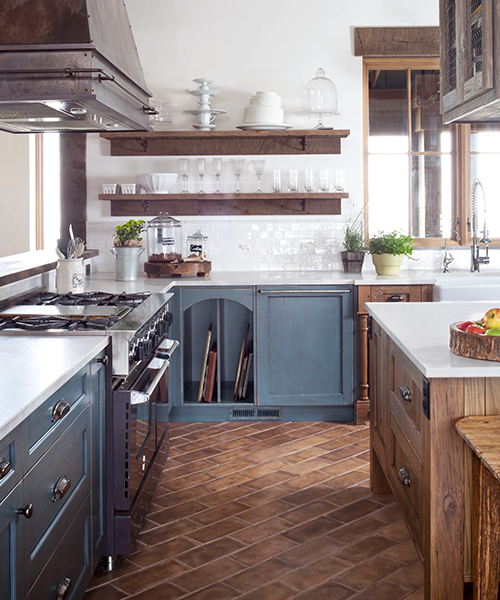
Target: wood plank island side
column 225, row 204
column 224, row 143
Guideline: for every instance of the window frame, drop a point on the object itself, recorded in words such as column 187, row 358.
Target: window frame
column 460, row 154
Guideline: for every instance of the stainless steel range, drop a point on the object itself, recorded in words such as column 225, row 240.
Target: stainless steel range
column 137, row 416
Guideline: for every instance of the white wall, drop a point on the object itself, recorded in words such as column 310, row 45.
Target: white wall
column 14, row 194
column 270, row 45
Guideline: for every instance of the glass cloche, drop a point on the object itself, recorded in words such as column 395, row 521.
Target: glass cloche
column 164, row 235
column 321, row 98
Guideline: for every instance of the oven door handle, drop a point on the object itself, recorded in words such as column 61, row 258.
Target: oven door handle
column 166, row 353
column 143, row 397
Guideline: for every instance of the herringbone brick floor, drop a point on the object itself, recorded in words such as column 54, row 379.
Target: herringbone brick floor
column 267, row 511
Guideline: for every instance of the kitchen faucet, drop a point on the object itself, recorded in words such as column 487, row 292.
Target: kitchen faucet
column 476, row 258
column 448, row 258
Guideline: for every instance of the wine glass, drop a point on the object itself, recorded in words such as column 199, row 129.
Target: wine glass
column 184, row 174
column 258, row 169
column 217, row 173
column 238, row 164
column 309, row 180
column 201, row 173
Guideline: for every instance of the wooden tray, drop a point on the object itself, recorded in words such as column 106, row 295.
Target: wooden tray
column 473, row 345
column 157, row 269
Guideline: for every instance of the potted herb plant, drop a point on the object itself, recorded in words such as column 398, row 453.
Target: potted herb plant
column 388, row 251
column 127, row 248
column 353, row 254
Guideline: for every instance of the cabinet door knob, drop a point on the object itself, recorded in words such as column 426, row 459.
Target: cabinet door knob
column 63, row 588
column 61, row 488
column 405, row 475
column 104, row 360
column 4, row 468
column 405, row 393
column 61, row 409
column 396, row 298
column 26, row 511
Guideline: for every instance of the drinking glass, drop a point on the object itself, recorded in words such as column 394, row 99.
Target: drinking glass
column 339, row 180
column 277, row 180
column 324, row 184
column 309, row 180
column 258, row 169
column 238, row 164
column 184, row 174
column 201, row 173
column 217, row 173
column 293, row 180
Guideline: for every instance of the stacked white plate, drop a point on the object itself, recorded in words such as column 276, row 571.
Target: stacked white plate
column 264, row 112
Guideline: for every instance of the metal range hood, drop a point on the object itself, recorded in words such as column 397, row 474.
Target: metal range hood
column 70, row 65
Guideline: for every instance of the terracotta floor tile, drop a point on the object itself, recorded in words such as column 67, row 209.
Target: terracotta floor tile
column 272, row 591
column 387, row 514
column 307, row 512
column 306, row 466
column 397, row 531
column 307, row 442
column 354, row 511
column 192, row 467
column 312, row 529
column 341, row 482
column 308, row 495
column 163, row 533
column 384, row 590
column 328, row 590
column 180, row 511
column 160, row 552
column 162, row 591
column 266, row 495
column 217, row 591
column 344, row 466
column 308, row 552
column 418, row 595
column 356, row 530
column 258, row 532
column 411, row 575
column 367, row 573
column 349, row 495
column 225, row 482
column 217, row 513
column 343, row 452
column 365, row 549
column 299, row 482
column 267, row 480
column 235, row 492
column 184, row 482
column 315, row 573
column 267, row 511
column 209, row 552
column 266, row 468
column 404, row 552
column 217, row 530
column 166, row 499
column 196, row 455
column 228, row 456
column 229, row 467
column 149, row 577
column 124, row 567
column 258, row 575
column 263, row 550
column 106, row 592
column 206, row 575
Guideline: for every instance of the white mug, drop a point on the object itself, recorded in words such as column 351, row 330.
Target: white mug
column 70, row 276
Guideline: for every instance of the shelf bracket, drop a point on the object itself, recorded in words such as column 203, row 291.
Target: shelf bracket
column 145, row 203
column 304, row 204
column 303, row 143
column 145, row 144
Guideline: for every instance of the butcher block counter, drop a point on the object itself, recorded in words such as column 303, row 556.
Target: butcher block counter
column 419, row 390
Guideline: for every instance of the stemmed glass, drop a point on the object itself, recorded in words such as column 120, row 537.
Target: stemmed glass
column 184, row 174
column 238, row 164
column 258, row 169
column 201, row 173
column 217, row 173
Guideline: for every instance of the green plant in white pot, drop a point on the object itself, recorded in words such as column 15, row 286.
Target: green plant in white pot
column 127, row 248
column 353, row 254
column 388, row 251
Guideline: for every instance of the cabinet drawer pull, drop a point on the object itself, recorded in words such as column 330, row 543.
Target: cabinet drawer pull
column 396, row 298
column 405, row 475
column 63, row 588
column 405, row 393
column 4, row 468
column 26, row 511
column 304, row 291
column 104, row 360
column 61, row 488
column 61, row 409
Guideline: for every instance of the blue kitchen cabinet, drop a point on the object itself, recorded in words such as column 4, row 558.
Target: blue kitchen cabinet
column 305, row 357
column 11, row 546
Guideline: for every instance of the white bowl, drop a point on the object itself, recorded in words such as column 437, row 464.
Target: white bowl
column 157, row 183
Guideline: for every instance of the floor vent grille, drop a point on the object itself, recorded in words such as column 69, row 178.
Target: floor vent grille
column 262, row 414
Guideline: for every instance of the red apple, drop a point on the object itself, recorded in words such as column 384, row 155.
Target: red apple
column 463, row 326
column 492, row 318
column 475, row 329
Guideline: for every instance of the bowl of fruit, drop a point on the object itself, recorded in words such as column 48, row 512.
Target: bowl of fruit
column 477, row 339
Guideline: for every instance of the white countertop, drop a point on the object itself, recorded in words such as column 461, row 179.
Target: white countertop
column 35, row 367
column 422, row 331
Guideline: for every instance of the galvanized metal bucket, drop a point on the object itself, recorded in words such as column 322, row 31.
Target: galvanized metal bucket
column 126, row 261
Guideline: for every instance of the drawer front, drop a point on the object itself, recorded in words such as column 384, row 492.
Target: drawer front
column 47, row 423
column 396, row 293
column 407, row 397
column 69, row 561
column 56, row 487
column 405, row 477
column 10, row 461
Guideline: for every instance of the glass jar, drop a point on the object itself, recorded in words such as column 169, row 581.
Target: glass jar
column 197, row 245
column 164, row 234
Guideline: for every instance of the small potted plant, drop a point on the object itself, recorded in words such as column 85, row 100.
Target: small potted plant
column 353, row 254
column 388, row 251
column 127, row 248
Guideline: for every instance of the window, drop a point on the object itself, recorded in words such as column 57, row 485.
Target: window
column 48, row 194
column 418, row 172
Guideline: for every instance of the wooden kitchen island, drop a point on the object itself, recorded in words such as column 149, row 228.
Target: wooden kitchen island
column 419, row 390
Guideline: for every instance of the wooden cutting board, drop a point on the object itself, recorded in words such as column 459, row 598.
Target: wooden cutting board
column 473, row 345
column 157, row 269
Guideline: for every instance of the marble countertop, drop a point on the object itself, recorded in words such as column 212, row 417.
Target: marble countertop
column 422, row 331
column 34, row 367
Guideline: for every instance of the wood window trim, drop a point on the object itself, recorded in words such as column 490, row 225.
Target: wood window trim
column 396, row 41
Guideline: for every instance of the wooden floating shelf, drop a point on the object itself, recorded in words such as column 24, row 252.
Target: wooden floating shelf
column 223, row 143
column 324, row 203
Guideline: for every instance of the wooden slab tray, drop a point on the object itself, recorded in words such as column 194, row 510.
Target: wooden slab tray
column 156, row 269
column 473, row 345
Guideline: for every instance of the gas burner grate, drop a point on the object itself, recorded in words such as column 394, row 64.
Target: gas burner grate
column 84, row 299
column 86, row 323
column 42, row 298
column 40, row 323
column 132, row 300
